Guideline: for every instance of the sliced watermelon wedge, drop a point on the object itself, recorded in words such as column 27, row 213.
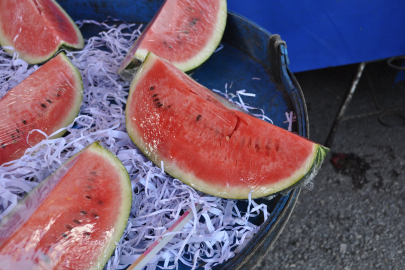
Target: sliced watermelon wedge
column 208, row 144
column 73, row 218
column 36, row 29
column 185, row 32
column 49, row 99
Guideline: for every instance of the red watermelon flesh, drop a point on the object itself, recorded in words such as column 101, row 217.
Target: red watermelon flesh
column 72, row 219
column 48, row 100
column 185, row 32
column 209, row 145
column 37, row 28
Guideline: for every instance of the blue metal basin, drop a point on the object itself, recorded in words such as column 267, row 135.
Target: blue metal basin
column 251, row 59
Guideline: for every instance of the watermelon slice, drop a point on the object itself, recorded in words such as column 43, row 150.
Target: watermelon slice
column 73, row 218
column 185, row 32
column 36, row 29
column 48, row 99
column 207, row 143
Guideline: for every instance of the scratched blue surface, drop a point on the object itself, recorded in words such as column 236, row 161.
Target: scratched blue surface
column 244, row 63
column 324, row 33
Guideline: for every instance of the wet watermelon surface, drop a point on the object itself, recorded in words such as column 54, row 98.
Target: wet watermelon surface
column 183, row 124
column 52, row 98
column 75, row 222
column 179, row 39
column 36, row 28
column 184, row 32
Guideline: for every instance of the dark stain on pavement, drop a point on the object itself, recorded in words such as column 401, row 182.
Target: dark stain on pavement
column 351, row 165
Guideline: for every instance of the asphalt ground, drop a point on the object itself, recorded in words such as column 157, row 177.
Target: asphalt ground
column 354, row 218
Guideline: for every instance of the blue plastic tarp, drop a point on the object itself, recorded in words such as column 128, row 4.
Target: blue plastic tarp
column 324, row 33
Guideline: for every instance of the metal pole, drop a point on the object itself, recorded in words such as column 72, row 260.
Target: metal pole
column 344, row 106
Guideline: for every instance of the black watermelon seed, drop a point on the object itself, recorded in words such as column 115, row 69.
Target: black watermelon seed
column 83, row 212
column 155, row 95
column 17, row 131
column 100, row 202
column 193, row 22
column 155, row 100
column 152, row 87
column 87, row 233
column 65, row 235
column 168, row 107
column 69, row 227
column 96, row 216
column 57, row 95
column 43, row 105
column 160, row 105
column 76, row 221
column 49, row 101
column 12, row 136
column 24, row 122
column 198, row 117
column 88, row 197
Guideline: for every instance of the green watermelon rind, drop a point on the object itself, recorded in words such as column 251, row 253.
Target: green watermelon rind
column 62, row 44
column 74, row 111
column 193, row 63
column 307, row 171
column 302, row 175
column 315, row 160
column 321, row 153
column 124, row 209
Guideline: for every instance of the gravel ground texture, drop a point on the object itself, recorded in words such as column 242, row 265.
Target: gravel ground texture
column 354, row 216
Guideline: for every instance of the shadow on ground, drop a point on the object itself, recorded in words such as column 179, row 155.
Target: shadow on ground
column 354, row 216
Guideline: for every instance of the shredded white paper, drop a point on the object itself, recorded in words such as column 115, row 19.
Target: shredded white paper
column 215, row 234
